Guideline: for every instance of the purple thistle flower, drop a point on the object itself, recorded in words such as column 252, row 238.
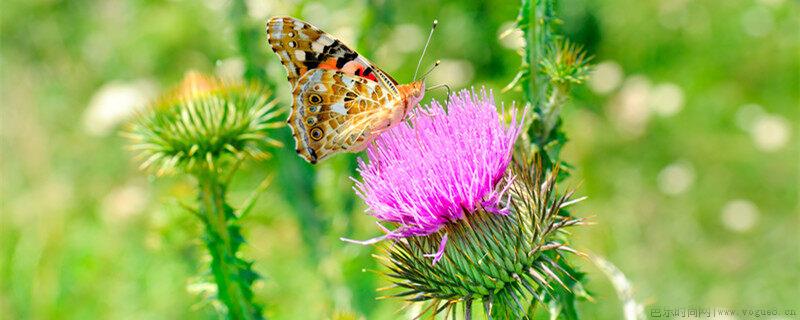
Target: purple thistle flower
column 440, row 169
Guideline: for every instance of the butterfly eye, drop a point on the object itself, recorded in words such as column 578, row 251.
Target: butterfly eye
column 314, row 98
column 313, row 109
column 311, row 120
column 292, row 44
column 316, row 133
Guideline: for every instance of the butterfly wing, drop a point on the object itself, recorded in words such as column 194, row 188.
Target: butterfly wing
column 302, row 47
column 333, row 111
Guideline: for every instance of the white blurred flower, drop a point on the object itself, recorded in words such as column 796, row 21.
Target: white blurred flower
column 407, row 38
column 52, row 197
column 605, row 77
column 772, row 3
column 216, row 5
column 629, row 110
column 456, row 73
column 388, row 58
column 259, row 9
column 673, row 14
column 510, row 36
column 676, row 178
column 666, row 99
column 739, row 215
column 770, row 132
column 230, row 69
column 318, row 14
column 747, row 115
column 757, row 21
column 114, row 102
column 123, row 202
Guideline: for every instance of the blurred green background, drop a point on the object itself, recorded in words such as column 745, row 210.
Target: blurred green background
column 685, row 139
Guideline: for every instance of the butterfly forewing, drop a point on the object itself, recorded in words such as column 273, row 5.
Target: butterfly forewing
column 302, row 47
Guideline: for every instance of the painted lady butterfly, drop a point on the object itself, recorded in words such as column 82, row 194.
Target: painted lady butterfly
column 340, row 100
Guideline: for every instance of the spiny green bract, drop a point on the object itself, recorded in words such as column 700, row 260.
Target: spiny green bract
column 510, row 263
column 203, row 121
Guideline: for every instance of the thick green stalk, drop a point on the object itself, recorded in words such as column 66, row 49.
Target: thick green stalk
column 545, row 96
column 232, row 275
column 536, row 19
column 531, row 53
column 540, row 39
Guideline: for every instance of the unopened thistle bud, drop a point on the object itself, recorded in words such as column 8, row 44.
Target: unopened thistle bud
column 204, row 121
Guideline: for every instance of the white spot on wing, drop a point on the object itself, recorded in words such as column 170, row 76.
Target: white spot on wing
column 277, row 28
column 317, row 75
column 325, row 40
column 300, row 55
column 339, row 108
column 348, row 81
column 317, row 46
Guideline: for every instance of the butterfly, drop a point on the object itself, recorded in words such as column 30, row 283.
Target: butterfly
column 340, row 101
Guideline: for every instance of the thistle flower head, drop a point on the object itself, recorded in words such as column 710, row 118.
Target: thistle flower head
column 508, row 263
column 204, row 121
column 443, row 166
column 451, row 183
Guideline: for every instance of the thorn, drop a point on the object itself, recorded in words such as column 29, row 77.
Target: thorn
column 552, row 275
column 571, row 202
column 365, row 242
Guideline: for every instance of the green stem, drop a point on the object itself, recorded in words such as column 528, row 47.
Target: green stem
column 541, row 94
column 531, row 53
column 552, row 111
column 232, row 274
column 540, row 39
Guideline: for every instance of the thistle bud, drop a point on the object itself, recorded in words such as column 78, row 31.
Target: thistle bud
column 203, row 121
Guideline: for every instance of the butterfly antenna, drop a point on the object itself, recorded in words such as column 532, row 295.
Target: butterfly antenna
column 436, row 64
column 419, row 63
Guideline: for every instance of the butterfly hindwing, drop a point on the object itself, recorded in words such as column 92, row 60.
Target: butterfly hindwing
column 333, row 111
